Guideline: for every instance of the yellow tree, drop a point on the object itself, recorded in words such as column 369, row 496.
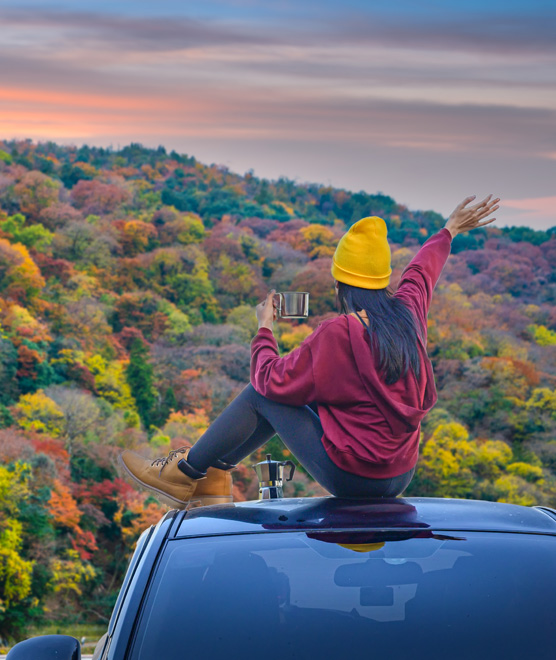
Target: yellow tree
column 15, row 571
column 110, row 381
column 452, row 465
column 542, row 335
column 321, row 241
column 37, row 412
column 185, row 428
column 445, row 461
column 21, row 324
column 68, row 575
column 136, row 236
column 20, row 277
column 292, row 336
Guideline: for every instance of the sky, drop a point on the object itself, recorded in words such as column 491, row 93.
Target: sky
column 427, row 102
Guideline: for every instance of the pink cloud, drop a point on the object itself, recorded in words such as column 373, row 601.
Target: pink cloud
column 533, row 206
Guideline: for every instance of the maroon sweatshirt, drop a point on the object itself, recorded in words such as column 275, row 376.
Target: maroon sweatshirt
column 370, row 428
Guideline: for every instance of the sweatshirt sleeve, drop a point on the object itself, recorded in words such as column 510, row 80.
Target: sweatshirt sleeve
column 287, row 379
column 421, row 275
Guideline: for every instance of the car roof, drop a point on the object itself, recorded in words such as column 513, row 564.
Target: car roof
column 396, row 514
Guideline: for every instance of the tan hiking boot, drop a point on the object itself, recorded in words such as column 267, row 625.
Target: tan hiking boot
column 216, row 488
column 162, row 475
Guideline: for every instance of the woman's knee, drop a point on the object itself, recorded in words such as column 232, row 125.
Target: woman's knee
column 256, row 399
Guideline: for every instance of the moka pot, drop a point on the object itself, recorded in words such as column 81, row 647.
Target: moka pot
column 271, row 477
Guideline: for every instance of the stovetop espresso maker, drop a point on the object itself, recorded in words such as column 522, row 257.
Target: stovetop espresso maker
column 271, row 477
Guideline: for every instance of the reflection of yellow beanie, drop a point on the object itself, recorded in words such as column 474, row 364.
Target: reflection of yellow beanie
column 362, row 547
column 362, row 257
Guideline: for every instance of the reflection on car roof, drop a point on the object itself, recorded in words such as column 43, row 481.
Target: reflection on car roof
column 330, row 513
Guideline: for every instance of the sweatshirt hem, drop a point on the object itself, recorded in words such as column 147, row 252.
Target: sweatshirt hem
column 356, row 465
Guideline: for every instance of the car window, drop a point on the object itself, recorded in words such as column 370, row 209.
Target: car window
column 329, row 595
column 99, row 648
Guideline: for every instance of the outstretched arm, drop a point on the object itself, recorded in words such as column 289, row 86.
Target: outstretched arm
column 420, row 276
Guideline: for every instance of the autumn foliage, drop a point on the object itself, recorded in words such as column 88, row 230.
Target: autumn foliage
column 127, row 285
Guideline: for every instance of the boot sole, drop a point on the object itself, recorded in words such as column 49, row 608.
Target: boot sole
column 161, row 495
column 207, row 500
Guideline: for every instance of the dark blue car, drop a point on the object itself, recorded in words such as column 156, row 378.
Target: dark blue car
column 326, row 578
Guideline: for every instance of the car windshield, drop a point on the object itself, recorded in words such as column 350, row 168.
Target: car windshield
column 327, row 595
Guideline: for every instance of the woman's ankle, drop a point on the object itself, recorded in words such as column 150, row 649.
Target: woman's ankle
column 189, row 470
column 222, row 465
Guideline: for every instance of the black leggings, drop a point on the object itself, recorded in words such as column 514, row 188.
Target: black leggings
column 251, row 420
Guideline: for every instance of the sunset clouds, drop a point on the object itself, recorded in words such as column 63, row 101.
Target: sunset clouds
column 426, row 106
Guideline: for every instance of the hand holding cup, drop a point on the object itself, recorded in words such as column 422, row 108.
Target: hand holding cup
column 267, row 311
column 286, row 305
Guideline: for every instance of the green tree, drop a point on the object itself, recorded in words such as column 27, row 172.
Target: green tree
column 32, row 236
column 139, row 375
column 165, row 405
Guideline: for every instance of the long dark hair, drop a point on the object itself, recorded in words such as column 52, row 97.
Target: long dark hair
column 392, row 329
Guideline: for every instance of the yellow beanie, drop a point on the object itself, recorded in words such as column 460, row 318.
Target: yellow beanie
column 362, row 257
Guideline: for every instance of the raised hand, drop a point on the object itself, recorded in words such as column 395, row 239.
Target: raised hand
column 464, row 217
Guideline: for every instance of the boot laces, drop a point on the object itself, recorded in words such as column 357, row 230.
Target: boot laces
column 164, row 460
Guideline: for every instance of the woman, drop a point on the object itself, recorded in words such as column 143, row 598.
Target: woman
column 349, row 401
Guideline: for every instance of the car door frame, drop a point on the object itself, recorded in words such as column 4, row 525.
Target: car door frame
column 136, row 580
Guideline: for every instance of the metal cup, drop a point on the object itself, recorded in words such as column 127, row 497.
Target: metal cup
column 293, row 304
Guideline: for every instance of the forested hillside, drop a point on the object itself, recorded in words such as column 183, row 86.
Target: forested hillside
column 127, row 285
